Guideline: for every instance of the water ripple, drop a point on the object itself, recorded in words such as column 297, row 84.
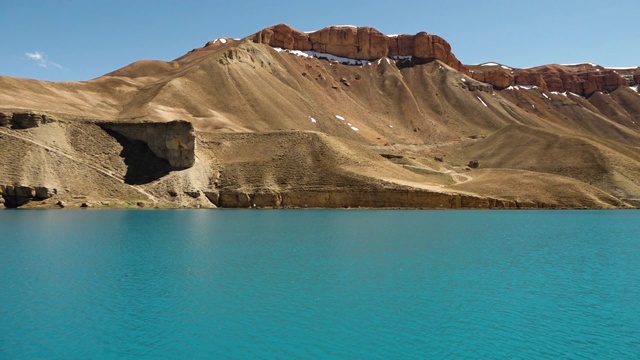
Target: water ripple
column 320, row 284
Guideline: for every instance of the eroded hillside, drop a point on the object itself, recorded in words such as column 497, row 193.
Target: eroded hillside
column 342, row 117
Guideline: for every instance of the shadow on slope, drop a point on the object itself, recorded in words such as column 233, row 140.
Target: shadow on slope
column 143, row 166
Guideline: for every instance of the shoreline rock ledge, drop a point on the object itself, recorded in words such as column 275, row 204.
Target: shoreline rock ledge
column 13, row 196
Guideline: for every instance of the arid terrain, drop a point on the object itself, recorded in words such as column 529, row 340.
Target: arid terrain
column 340, row 117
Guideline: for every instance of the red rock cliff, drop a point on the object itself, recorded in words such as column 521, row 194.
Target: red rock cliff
column 360, row 43
column 582, row 79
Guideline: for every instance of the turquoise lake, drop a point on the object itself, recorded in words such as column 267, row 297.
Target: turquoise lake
column 330, row 284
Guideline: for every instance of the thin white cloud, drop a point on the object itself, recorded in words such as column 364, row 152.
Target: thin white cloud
column 41, row 59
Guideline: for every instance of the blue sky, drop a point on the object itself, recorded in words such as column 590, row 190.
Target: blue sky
column 83, row 39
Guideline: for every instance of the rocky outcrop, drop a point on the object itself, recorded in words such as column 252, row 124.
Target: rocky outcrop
column 362, row 43
column 285, row 37
column 425, row 46
column 24, row 120
column 582, row 79
column 579, row 80
column 13, row 196
column 5, row 119
column 173, row 141
column 355, row 43
column 500, row 78
column 386, row 198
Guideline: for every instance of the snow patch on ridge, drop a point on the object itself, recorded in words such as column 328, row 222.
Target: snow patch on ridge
column 496, row 64
column 576, row 64
column 403, row 58
column 327, row 56
column 635, row 88
column 483, row 103
column 522, row 87
column 341, row 60
column 339, row 117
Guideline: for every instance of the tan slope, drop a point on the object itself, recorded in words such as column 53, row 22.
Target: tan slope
column 272, row 120
column 81, row 161
column 251, row 87
column 543, row 188
column 609, row 166
column 573, row 114
column 293, row 160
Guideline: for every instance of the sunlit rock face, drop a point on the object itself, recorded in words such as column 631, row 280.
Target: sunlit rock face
column 363, row 43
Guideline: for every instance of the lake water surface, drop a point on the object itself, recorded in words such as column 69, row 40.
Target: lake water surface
column 349, row 284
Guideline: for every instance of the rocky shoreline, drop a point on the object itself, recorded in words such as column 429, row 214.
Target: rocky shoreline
column 44, row 198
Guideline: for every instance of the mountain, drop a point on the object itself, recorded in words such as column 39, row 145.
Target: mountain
column 340, row 117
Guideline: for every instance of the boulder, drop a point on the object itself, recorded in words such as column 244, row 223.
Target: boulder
column 193, row 193
column 42, row 192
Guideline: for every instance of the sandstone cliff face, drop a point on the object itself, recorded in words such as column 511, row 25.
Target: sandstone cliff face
column 13, row 196
column 582, row 79
column 360, row 43
column 499, row 78
column 382, row 198
column 173, row 141
column 24, row 120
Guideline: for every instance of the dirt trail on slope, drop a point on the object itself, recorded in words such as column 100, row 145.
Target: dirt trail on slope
column 455, row 176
